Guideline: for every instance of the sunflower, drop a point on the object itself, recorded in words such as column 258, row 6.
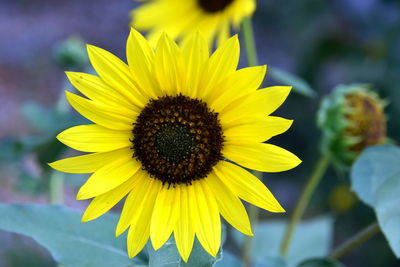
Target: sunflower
column 163, row 126
column 178, row 18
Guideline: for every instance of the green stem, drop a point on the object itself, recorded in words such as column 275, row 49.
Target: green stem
column 56, row 187
column 355, row 240
column 249, row 43
column 317, row 174
column 251, row 55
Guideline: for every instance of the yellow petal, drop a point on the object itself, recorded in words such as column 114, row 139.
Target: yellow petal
column 139, row 230
column 222, row 62
column 236, row 85
column 184, row 230
column 168, row 65
column 138, row 236
column 229, row 205
column 140, row 200
column 247, row 186
column 116, row 74
column 259, row 131
column 95, row 89
column 165, row 215
column 140, row 57
column 95, row 138
column 105, row 116
column 103, row 203
column 224, row 32
column 195, row 53
column 261, row 157
column 208, row 226
column 110, row 176
column 258, row 104
column 86, row 163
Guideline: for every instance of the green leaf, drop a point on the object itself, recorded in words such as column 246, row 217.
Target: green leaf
column 311, row 238
column 168, row 256
column 230, row 260
column 320, row 263
column 299, row 85
column 70, row 242
column 375, row 178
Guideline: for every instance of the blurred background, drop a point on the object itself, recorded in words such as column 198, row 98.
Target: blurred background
column 326, row 43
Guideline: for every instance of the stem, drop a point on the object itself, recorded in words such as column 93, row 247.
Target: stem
column 56, row 187
column 251, row 55
column 249, row 43
column 355, row 240
column 317, row 174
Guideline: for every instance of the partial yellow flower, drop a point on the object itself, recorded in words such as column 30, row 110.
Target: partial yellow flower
column 214, row 18
column 163, row 126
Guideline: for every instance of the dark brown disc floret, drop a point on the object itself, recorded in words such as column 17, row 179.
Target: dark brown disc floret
column 214, row 6
column 177, row 139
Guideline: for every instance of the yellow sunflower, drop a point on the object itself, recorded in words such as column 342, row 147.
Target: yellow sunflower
column 179, row 18
column 163, row 126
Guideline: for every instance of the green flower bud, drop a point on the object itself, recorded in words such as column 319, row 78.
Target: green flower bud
column 351, row 118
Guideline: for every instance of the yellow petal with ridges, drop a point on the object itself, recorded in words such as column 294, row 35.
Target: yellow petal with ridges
column 168, row 65
column 140, row 57
column 258, row 104
column 259, row 131
column 195, row 54
column 247, row 186
column 141, row 199
column 103, row 203
column 222, row 62
column 236, row 85
column 139, row 230
column 229, row 205
column 165, row 215
column 110, row 176
column 95, row 138
column 208, row 226
column 105, row 116
column 95, row 89
column 86, row 163
column 115, row 73
column 184, row 230
column 137, row 237
column 261, row 157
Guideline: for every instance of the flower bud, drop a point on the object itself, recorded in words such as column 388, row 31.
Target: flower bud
column 351, row 118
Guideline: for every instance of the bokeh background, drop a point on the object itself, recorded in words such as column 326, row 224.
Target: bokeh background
column 324, row 42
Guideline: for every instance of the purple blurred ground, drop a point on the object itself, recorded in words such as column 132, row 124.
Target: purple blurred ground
column 29, row 31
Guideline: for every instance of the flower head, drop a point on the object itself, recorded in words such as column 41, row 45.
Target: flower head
column 178, row 18
column 351, row 118
column 163, row 126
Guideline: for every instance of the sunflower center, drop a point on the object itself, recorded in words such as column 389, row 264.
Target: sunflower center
column 214, row 6
column 177, row 139
column 174, row 142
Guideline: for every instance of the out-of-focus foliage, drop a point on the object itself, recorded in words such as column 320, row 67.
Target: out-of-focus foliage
column 168, row 256
column 312, row 238
column 70, row 242
column 320, row 263
column 376, row 179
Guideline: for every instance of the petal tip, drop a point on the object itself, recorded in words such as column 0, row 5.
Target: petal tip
column 82, row 195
